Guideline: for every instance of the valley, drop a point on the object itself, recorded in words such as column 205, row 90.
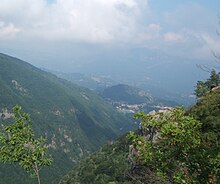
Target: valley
column 109, row 92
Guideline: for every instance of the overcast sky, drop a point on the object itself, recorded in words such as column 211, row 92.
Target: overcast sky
column 181, row 27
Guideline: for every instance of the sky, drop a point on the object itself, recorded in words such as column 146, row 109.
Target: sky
column 50, row 32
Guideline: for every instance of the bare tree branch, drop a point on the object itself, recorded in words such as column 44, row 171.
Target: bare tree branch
column 216, row 55
column 204, row 68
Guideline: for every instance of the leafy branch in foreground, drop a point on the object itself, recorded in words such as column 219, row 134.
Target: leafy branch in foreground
column 178, row 151
column 18, row 145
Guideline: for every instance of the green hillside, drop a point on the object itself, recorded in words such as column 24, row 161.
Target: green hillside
column 133, row 95
column 111, row 165
column 125, row 93
column 74, row 120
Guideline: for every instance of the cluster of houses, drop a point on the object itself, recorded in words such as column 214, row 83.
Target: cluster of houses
column 134, row 108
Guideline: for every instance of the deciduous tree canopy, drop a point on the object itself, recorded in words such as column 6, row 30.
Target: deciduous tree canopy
column 18, row 145
column 179, row 152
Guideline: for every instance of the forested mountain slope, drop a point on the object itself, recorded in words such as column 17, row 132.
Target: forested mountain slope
column 110, row 165
column 74, row 120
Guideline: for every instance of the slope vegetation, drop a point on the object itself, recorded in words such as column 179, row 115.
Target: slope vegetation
column 74, row 120
column 111, row 165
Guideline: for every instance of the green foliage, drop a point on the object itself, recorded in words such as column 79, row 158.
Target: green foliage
column 18, row 144
column 207, row 110
column 109, row 164
column 214, row 79
column 178, row 150
column 203, row 88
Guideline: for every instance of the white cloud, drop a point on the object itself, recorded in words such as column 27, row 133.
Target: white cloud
column 208, row 44
column 189, row 31
column 188, row 28
column 82, row 20
column 190, row 44
column 7, row 30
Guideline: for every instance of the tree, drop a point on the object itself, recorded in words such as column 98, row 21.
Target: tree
column 177, row 151
column 19, row 145
column 214, row 80
column 203, row 88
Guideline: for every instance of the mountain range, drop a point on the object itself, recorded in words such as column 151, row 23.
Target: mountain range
column 100, row 82
column 74, row 120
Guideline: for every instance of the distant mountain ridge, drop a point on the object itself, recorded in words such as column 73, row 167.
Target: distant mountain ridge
column 126, row 93
column 74, row 120
column 93, row 82
column 135, row 98
column 99, row 83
